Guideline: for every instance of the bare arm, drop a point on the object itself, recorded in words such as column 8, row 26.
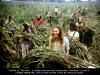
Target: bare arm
column 67, row 52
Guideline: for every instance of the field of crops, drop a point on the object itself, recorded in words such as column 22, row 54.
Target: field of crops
column 40, row 55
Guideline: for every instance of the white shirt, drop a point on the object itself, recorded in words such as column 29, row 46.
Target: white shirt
column 56, row 9
column 7, row 21
column 73, row 34
column 56, row 45
column 9, row 25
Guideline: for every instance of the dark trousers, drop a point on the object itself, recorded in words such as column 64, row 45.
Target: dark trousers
column 56, row 13
column 11, row 33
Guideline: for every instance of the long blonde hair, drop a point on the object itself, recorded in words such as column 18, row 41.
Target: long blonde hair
column 60, row 37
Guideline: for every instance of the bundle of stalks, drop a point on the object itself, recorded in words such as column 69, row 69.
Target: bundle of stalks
column 86, row 34
column 44, row 58
column 80, row 50
column 8, row 50
column 41, row 57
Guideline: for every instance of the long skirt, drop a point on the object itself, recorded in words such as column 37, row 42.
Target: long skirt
column 25, row 48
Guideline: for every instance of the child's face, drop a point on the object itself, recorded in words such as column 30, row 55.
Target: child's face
column 55, row 32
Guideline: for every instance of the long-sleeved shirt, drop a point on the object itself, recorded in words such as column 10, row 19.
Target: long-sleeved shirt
column 37, row 22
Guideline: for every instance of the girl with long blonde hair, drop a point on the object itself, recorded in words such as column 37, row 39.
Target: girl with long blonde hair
column 57, row 41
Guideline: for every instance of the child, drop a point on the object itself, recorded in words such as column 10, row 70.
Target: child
column 25, row 42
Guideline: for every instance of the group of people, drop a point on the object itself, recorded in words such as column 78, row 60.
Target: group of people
column 57, row 40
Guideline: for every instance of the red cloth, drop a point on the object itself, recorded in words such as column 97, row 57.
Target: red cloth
column 35, row 20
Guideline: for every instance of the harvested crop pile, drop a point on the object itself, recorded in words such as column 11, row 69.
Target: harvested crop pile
column 7, row 50
column 86, row 34
column 43, row 58
column 40, row 56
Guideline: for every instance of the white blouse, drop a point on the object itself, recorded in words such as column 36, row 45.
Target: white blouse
column 56, row 45
column 56, row 9
column 73, row 34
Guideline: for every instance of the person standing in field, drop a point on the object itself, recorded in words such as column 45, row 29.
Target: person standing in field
column 56, row 11
column 80, row 10
column 37, row 21
column 68, row 13
column 57, row 41
column 49, row 18
column 25, row 42
column 9, row 24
